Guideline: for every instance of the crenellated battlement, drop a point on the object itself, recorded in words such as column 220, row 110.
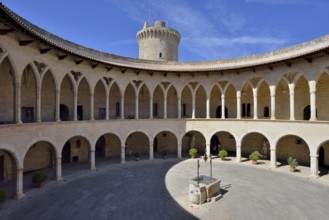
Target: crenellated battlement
column 158, row 42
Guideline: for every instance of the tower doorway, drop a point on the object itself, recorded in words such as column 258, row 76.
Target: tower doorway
column 64, row 112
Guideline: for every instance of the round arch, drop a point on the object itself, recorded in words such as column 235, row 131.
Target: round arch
column 291, row 145
column 137, row 142
column 165, row 140
column 195, row 139
column 108, row 145
column 255, row 141
column 222, row 140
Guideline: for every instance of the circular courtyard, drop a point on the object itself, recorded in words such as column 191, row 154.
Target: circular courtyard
column 159, row 190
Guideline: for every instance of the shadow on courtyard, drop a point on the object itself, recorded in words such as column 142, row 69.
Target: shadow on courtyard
column 136, row 190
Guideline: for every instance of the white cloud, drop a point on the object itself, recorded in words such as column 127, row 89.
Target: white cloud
column 203, row 29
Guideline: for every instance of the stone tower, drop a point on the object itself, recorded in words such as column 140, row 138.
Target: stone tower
column 158, row 42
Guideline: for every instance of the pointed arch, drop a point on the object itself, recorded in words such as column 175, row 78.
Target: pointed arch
column 322, row 91
column 186, row 102
column 172, row 102
column 144, row 102
column 230, row 100
column 158, row 102
column 100, row 101
column 302, row 96
column 7, row 86
column 67, row 98
column 282, row 99
column 200, row 102
column 130, row 101
column 247, row 100
column 263, row 99
column 114, row 101
column 48, row 97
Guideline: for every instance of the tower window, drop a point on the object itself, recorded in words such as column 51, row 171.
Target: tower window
column 160, row 55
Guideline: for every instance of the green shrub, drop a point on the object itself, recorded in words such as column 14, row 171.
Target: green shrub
column 254, row 155
column 193, row 152
column 164, row 152
column 137, row 154
column 3, row 196
column 222, row 154
column 39, row 177
column 293, row 163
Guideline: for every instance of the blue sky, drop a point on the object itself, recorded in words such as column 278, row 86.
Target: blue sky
column 210, row 29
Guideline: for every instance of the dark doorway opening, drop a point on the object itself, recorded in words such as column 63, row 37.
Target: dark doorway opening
column 100, row 147
column 307, row 112
column 219, row 112
column 66, row 153
column 64, row 113
column 80, row 112
column 214, row 145
column 155, row 145
column 27, row 114
column 321, row 157
column 2, row 167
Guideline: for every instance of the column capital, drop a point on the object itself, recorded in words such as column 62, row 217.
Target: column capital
column 314, row 155
column 238, row 94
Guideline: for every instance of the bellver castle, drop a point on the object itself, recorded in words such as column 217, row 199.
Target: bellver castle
column 63, row 104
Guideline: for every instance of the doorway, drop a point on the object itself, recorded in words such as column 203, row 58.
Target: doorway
column 219, row 112
column 66, row 153
column 214, row 145
column 80, row 112
column 27, row 114
column 64, row 112
column 100, row 147
column 321, row 157
column 2, row 168
column 155, row 145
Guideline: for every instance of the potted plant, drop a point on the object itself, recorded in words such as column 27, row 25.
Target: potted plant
column 164, row 153
column 293, row 163
column 3, row 196
column 222, row 154
column 39, row 178
column 254, row 156
column 137, row 156
column 193, row 152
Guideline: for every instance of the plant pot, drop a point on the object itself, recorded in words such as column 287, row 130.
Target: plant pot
column 137, row 158
column 164, row 157
column 40, row 185
column 293, row 169
column 254, row 162
column 222, row 158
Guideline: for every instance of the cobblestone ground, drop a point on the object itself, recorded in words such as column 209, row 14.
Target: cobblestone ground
column 159, row 190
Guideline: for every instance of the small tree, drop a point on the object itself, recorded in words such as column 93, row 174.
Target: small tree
column 193, row 152
column 39, row 178
column 254, row 156
column 293, row 163
column 222, row 154
column 3, row 196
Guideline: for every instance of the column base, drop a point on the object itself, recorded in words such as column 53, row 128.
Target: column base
column 58, row 179
column 123, row 162
column 20, row 196
column 312, row 176
column 92, row 168
column 312, row 119
column 273, row 118
column 238, row 160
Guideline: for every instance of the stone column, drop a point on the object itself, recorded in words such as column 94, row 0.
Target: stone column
column 208, row 149
column 272, row 90
column 19, row 184
column 165, row 107
column 179, row 108
column 92, row 160
column 312, row 85
column 58, row 176
column 255, row 90
column 123, row 154
column 38, row 113
column 122, row 107
column 223, row 106
column 107, row 105
column 292, row 101
column 151, row 106
column 92, row 116
column 151, row 152
column 238, row 153
column 18, row 103
column 238, row 104
column 193, row 105
column 58, row 110
column 179, row 150
column 136, row 107
column 273, row 158
column 314, row 166
column 207, row 108
column 75, row 105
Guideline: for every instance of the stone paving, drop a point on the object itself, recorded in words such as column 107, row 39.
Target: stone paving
column 159, row 190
